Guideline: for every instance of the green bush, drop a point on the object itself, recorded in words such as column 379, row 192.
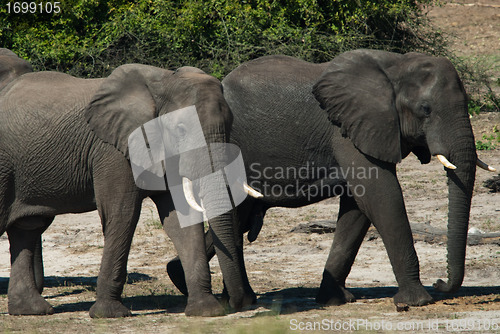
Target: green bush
column 91, row 37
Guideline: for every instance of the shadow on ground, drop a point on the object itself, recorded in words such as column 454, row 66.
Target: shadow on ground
column 287, row 301
column 81, row 284
column 284, row 301
column 146, row 304
column 90, row 282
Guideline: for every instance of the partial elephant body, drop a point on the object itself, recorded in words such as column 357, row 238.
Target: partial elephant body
column 374, row 109
column 64, row 149
column 272, row 103
column 48, row 151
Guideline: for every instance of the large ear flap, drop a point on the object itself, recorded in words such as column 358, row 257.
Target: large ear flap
column 359, row 97
column 126, row 100
column 11, row 66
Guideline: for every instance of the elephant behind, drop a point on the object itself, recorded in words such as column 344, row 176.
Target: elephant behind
column 11, row 66
column 64, row 149
column 374, row 109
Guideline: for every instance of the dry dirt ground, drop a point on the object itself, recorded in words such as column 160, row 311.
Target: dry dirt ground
column 285, row 268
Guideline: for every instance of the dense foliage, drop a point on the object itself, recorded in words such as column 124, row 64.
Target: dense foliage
column 90, row 37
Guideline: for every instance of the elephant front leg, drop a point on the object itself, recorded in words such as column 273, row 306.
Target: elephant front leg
column 378, row 195
column 118, row 233
column 190, row 245
column 398, row 241
column 23, row 292
column 119, row 205
column 352, row 226
column 176, row 273
column 381, row 200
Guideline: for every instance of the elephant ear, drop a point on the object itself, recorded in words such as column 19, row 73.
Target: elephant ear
column 359, row 97
column 126, row 99
column 11, row 66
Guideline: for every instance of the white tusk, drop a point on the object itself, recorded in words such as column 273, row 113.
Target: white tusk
column 187, row 186
column 445, row 162
column 251, row 191
column 485, row 166
column 205, row 217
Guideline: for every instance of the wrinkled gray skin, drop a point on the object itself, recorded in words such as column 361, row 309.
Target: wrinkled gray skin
column 380, row 107
column 63, row 149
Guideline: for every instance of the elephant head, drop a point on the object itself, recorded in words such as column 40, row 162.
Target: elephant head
column 11, row 66
column 392, row 104
column 139, row 107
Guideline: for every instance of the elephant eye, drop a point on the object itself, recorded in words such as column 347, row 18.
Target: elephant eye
column 181, row 130
column 425, row 109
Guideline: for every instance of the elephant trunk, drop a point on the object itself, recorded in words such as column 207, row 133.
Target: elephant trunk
column 460, row 186
column 220, row 209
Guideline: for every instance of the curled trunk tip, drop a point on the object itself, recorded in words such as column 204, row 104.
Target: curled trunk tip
column 447, row 287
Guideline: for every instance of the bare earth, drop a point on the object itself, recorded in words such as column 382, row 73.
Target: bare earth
column 285, row 268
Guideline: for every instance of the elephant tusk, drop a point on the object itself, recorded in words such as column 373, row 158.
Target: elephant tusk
column 205, row 217
column 187, row 186
column 485, row 166
column 251, row 191
column 445, row 162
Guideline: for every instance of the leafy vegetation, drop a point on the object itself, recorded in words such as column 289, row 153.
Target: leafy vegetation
column 489, row 142
column 89, row 38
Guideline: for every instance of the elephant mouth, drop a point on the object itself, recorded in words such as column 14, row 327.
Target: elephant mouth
column 220, row 183
column 187, row 186
column 422, row 153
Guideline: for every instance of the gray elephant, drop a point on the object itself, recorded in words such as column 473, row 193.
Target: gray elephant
column 64, row 148
column 11, row 66
column 374, row 109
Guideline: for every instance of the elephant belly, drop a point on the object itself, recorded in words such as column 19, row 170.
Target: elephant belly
column 46, row 198
column 298, row 192
column 51, row 180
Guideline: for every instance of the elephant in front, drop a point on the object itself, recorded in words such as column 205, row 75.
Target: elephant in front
column 313, row 131
column 65, row 148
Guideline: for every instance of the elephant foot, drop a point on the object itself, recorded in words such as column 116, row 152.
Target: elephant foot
column 413, row 296
column 34, row 304
column 249, row 298
column 109, row 309
column 206, row 306
column 332, row 293
column 334, row 298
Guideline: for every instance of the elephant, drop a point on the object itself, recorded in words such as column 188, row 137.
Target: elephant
column 314, row 131
column 11, row 66
column 65, row 148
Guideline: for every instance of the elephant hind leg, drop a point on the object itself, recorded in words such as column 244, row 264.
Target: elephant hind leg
column 352, row 226
column 38, row 258
column 23, row 292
